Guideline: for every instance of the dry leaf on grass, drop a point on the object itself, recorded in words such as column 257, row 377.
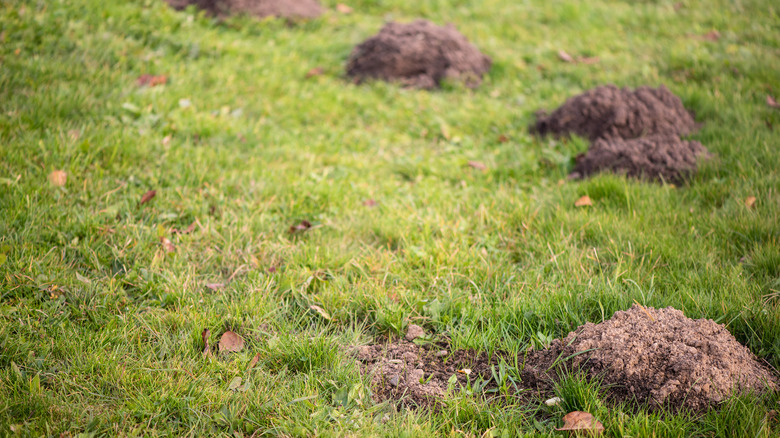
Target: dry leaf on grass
column 253, row 362
column 316, row 71
column 750, row 201
column 565, row 56
column 344, row 9
column 147, row 197
column 300, row 227
column 503, row 138
column 151, row 80
column 712, row 35
column 58, row 178
column 321, row 311
column 235, row 383
column 230, row 342
column 583, row 202
column 215, row 286
column 369, row 203
column 477, row 165
column 579, row 421
column 207, row 348
column 167, row 245
column 771, row 102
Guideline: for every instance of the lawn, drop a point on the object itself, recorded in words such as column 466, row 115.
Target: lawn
column 103, row 297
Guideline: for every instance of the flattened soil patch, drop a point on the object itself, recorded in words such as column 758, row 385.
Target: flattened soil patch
column 291, row 9
column 610, row 112
column 417, row 376
column 655, row 357
column 418, row 54
column 659, row 157
column 660, row 357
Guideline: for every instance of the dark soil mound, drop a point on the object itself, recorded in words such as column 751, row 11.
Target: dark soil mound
column 658, row 157
column 661, row 357
column 612, row 113
column 292, row 9
column 418, row 54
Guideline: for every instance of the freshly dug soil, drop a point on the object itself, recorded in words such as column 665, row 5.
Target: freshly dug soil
column 660, row 157
column 418, row 54
column 292, row 9
column 651, row 356
column 609, row 112
column 661, row 357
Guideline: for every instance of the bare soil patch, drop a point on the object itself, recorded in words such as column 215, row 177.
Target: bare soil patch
column 659, row 157
column 655, row 357
column 290, row 9
column 418, row 54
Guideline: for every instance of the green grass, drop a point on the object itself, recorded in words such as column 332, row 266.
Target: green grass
column 100, row 327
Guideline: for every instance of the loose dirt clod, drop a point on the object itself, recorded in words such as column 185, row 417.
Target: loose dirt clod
column 413, row 332
column 418, row 54
column 610, row 112
column 661, row 357
column 660, row 157
column 291, row 9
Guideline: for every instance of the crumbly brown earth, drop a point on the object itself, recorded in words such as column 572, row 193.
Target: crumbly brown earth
column 291, row 9
column 417, row 376
column 659, row 157
column 651, row 356
column 418, row 54
column 610, row 112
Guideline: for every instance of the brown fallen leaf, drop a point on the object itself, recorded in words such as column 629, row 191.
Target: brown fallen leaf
column 369, row 203
column 321, row 311
column 712, row 35
column 771, row 102
column 205, row 336
column 58, row 178
column 750, row 201
column 167, row 245
column 344, row 9
column 147, row 197
column 188, row 230
column 230, row 342
column 300, row 227
column 147, row 80
column 583, row 201
column 565, row 56
column 253, row 362
column 316, row 71
column 503, row 138
column 579, row 421
column 215, row 286
column 477, row 165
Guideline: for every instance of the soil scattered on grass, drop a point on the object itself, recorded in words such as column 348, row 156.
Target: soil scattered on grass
column 418, row 54
column 610, row 112
column 660, row 157
column 417, row 376
column 291, row 9
column 652, row 356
